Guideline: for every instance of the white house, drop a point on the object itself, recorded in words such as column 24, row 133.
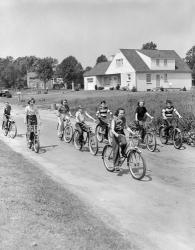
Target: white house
column 143, row 69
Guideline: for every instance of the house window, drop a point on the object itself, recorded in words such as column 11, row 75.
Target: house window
column 165, row 62
column 129, row 77
column 148, row 78
column 165, row 78
column 90, row 79
column 119, row 62
column 157, row 62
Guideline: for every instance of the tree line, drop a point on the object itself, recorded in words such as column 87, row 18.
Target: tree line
column 13, row 72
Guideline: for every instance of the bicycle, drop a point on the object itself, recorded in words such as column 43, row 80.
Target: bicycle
column 9, row 128
column 174, row 134
column 88, row 138
column 101, row 132
column 135, row 160
column 33, row 133
column 67, row 132
column 150, row 135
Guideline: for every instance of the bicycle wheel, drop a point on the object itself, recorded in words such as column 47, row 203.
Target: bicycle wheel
column 36, row 146
column 107, row 156
column 136, row 164
column 28, row 143
column 177, row 138
column 151, row 141
column 12, row 130
column 5, row 130
column 68, row 133
column 109, row 136
column 77, row 140
column 99, row 134
column 162, row 135
column 93, row 144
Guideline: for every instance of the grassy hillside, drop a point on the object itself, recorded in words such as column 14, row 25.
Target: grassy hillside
column 184, row 101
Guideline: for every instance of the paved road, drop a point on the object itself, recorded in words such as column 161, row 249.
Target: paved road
column 156, row 213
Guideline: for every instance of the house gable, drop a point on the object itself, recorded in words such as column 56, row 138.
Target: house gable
column 119, row 65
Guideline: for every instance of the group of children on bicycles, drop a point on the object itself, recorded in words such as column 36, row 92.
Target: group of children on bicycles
column 118, row 122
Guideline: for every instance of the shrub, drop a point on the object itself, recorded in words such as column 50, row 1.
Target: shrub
column 111, row 88
column 117, row 86
column 184, row 88
column 161, row 89
column 96, row 87
column 124, row 88
column 134, row 89
column 100, row 88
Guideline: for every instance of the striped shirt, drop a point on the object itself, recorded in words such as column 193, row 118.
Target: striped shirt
column 168, row 112
column 102, row 112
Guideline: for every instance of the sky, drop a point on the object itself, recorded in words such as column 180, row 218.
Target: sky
column 86, row 29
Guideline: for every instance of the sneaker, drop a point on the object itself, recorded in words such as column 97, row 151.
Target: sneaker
column 117, row 169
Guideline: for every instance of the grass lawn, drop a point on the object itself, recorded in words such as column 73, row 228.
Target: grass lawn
column 38, row 213
column 184, row 101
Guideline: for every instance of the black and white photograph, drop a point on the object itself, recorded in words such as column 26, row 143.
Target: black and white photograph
column 97, row 125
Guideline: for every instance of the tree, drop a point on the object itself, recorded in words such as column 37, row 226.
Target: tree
column 149, row 45
column 71, row 71
column 190, row 60
column 88, row 68
column 101, row 58
column 45, row 69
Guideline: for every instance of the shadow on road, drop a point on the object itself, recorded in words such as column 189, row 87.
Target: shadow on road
column 44, row 149
column 21, row 135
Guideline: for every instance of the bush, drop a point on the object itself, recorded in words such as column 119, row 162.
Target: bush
column 134, row 89
column 161, row 89
column 124, row 88
column 96, row 87
column 117, row 86
column 111, row 88
column 100, row 88
column 184, row 88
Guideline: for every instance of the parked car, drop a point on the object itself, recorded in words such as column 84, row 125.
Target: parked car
column 5, row 93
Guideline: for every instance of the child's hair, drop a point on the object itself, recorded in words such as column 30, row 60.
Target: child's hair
column 63, row 101
column 138, row 104
column 117, row 111
column 169, row 101
column 31, row 99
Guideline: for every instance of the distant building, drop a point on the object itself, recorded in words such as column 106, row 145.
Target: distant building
column 34, row 82
column 143, row 69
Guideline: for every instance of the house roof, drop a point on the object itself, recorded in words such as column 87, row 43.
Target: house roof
column 140, row 66
column 99, row 69
column 158, row 54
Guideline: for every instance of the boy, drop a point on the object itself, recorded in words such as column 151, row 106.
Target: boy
column 167, row 114
column 102, row 114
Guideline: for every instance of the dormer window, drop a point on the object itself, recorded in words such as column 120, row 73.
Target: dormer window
column 165, row 62
column 119, row 62
column 157, row 62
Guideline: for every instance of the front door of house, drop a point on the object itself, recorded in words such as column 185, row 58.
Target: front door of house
column 157, row 81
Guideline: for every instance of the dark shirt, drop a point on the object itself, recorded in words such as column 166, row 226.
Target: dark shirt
column 141, row 112
column 63, row 109
column 7, row 110
column 120, row 124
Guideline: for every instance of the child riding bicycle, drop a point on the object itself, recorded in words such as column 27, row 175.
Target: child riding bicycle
column 118, row 125
column 63, row 115
column 32, row 117
column 102, row 114
column 6, row 113
column 81, row 125
column 141, row 114
column 167, row 114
